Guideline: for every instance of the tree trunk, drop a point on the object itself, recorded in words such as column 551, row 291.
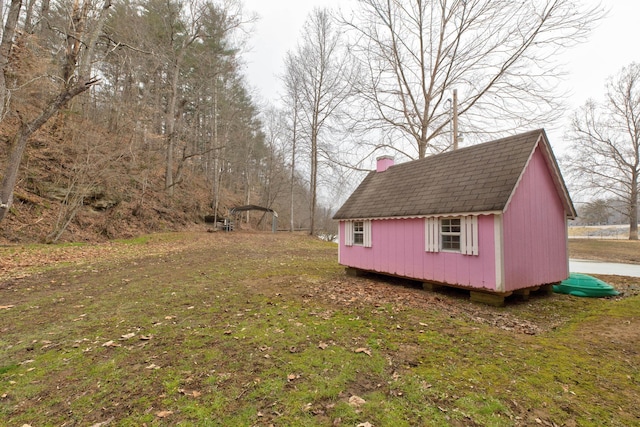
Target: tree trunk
column 5, row 51
column 293, row 157
column 633, row 209
column 28, row 24
column 314, row 184
column 171, row 128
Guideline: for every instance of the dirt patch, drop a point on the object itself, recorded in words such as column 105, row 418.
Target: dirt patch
column 398, row 294
column 624, row 335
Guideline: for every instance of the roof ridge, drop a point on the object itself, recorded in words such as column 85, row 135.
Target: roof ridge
column 475, row 146
column 477, row 178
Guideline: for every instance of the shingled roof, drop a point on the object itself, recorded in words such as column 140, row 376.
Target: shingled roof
column 479, row 178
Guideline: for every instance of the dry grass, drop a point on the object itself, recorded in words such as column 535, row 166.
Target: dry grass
column 625, row 251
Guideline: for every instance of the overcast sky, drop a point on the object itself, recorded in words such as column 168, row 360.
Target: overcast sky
column 612, row 45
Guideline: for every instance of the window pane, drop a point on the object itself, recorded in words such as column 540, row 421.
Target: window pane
column 358, row 239
column 450, row 225
column 450, row 242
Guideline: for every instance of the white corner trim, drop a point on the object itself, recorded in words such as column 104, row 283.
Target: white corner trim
column 498, row 240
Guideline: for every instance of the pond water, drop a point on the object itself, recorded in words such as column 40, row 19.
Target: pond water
column 597, row 267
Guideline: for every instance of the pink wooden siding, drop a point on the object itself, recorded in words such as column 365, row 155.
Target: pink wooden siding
column 535, row 233
column 398, row 248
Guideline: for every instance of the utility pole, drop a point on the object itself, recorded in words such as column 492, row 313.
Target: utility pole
column 455, row 119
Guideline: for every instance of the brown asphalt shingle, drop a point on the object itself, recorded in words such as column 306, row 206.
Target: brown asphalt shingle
column 479, row 178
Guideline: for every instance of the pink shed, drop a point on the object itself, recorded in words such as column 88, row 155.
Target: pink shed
column 491, row 218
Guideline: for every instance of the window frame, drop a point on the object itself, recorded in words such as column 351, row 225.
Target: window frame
column 358, row 233
column 351, row 230
column 448, row 234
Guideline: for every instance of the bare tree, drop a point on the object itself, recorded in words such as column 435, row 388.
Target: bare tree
column 274, row 177
column 83, row 29
column 324, row 74
column 605, row 144
column 596, row 212
column 500, row 54
column 291, row 80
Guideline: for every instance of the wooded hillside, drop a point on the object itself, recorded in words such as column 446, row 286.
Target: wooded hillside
column 163, row 133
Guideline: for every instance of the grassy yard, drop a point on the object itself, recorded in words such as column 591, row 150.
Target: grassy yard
column 243, row 329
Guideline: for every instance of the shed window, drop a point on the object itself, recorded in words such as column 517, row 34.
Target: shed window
column 452, row 234
column 357, row 233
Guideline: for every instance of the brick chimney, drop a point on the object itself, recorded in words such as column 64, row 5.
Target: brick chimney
column 384, row 163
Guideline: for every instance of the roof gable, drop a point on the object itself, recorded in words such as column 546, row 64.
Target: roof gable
column 479, row 178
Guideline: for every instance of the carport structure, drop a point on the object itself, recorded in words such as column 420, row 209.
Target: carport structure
column 274, row 214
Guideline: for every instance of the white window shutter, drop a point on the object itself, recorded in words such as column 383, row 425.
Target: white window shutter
column 474, row 247
column 367, row 234
column 348, row 233
column 469, row 235
column 432, row 234
column 463, row 235
column 427, row 235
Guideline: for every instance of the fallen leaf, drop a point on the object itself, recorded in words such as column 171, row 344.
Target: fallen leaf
column 292, row 377
column 164, row 414
column 6, row 307
column 153, row 366
column 323, row 345
column 103, row 423
column 356, row 401
column 367, row 424
column 363, row 350
column 145, row 337
column 110, row 343
column 192, row 393
column 127, row 336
